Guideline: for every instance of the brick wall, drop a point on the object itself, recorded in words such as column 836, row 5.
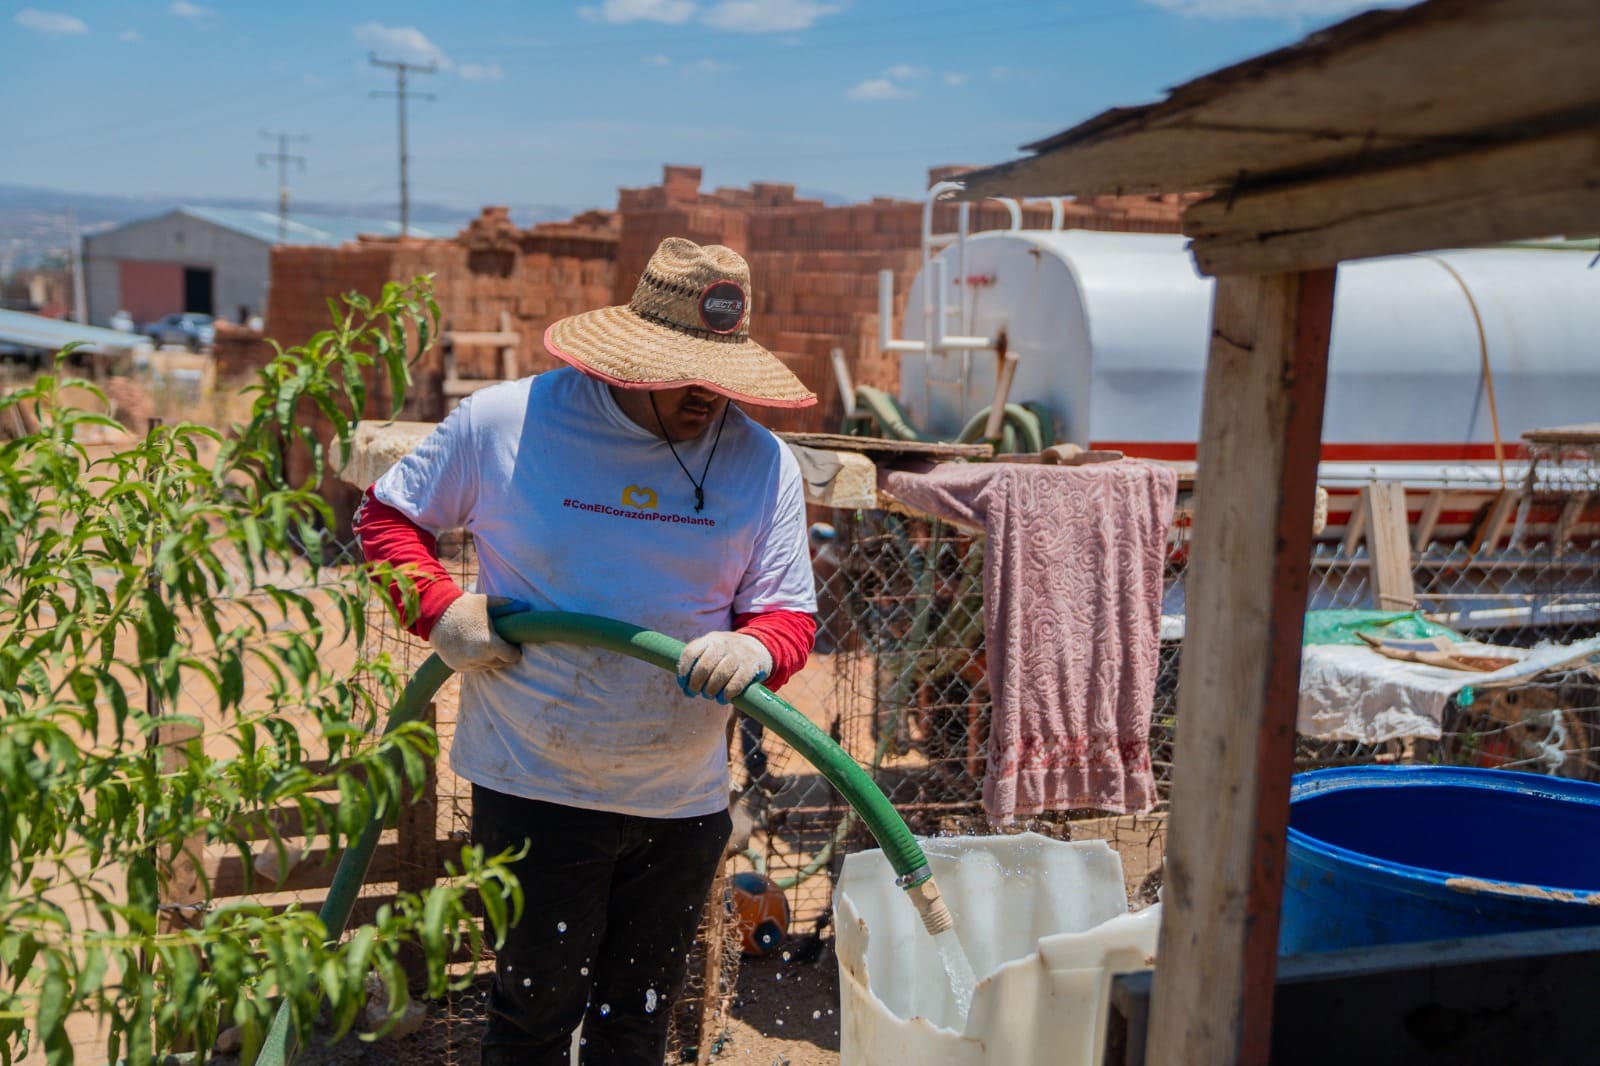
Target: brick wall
column 492, row 267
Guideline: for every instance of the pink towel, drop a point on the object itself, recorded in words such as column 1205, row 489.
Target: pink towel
column 1071, row 613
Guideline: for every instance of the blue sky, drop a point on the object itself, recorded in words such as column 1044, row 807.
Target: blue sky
column 561, row 103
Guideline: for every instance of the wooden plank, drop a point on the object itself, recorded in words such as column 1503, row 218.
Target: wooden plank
column 508, row 351
column 465, row 338
column 1393, row 587
column 417, row 851
column 1375, row 84
column 1261, row 429
column 233, row 877
column 842, row 442
column 1428, row 520
column 1356, row 527
column 1582, row 436
column 181, row 888
column 1494, row 523
column 1568, row 521
column 1460, row 199
column 845, row 481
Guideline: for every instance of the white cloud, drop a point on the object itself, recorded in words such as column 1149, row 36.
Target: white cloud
column 50, row 23
column 905, row 72
column 481, row 71
column 668, row 11
column 1282, row 9
column 404, row 43
column 954, row 78
column 185, row 10
column 880, row 89
column 657, row 60
column 705, row 66
column 767, row 16
column 132, row 36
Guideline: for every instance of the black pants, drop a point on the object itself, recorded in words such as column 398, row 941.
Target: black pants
column 611, row 906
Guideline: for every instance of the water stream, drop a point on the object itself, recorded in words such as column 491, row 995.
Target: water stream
column 956, row 967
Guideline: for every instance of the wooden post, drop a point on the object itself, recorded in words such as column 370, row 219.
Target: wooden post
column 1261, row 431
column 417, row 850
column 1388, row 547
column 508, row 352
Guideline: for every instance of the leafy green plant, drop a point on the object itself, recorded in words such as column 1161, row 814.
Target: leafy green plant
column 138, row 584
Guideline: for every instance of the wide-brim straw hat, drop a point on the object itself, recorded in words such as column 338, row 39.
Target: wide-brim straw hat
column 687, row 324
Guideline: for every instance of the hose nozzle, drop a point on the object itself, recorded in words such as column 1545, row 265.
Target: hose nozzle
column 936, row 917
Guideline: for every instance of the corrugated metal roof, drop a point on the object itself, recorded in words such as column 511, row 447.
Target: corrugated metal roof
column 52, row 334
column 302, row 228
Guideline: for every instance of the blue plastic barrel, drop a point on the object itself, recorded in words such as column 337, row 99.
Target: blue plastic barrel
column 1391, row 854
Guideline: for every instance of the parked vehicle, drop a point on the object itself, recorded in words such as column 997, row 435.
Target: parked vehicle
column 189, row 329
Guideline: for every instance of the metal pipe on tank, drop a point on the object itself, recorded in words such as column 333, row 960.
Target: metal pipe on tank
column 942, row 341
column 886, row 341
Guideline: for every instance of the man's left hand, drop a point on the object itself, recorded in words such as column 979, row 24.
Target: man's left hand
column 721, row 665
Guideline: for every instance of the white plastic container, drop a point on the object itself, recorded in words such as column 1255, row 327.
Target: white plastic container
column 1045, row 924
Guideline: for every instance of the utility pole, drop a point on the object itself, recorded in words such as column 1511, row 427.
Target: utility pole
column 284, row 158
column 400, row 68
column 80, row 312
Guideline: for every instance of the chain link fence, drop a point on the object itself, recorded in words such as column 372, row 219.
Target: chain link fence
column 899, row 675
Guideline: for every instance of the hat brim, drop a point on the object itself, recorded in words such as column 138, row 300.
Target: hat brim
column 621, row 348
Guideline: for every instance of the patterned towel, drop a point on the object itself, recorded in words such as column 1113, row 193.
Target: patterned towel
column 1072, row 606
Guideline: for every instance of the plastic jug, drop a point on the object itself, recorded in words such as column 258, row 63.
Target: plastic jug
column 1045, row 924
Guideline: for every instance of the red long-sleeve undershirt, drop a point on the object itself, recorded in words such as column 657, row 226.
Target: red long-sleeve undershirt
column 388, row 536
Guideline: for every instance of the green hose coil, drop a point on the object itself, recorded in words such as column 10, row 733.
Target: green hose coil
column 527, row 627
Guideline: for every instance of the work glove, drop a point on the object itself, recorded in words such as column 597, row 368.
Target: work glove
column 721, row 665
column 465, row 638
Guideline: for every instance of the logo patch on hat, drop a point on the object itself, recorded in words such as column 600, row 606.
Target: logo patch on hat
column 722, row 306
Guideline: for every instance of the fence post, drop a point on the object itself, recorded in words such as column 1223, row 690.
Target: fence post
column 1388, row 546
column 417, row 848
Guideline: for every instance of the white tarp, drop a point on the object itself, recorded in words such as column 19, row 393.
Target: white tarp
column 1350, row 692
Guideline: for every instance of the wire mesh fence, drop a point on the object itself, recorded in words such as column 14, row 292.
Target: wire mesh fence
column 899, row 677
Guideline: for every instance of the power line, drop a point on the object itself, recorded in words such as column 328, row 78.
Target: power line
column 284, row 159
column 400, row 69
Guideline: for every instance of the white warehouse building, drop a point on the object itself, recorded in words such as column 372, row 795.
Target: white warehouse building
column 207, row 260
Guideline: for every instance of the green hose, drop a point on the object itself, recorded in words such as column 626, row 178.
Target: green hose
column 887, row 412
column 526, row 627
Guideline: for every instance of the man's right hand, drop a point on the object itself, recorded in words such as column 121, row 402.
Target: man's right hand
column 465, row 638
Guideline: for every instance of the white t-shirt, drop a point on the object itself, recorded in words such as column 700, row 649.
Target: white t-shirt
column 575, row 507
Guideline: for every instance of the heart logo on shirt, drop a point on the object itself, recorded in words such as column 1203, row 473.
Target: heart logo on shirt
column 639, row 497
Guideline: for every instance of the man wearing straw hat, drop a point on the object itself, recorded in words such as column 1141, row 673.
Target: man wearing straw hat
column 629, row 485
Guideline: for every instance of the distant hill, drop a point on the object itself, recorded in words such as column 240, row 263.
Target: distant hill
column 33, row 220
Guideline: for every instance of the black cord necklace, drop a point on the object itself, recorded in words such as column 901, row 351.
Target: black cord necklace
column 699, row 486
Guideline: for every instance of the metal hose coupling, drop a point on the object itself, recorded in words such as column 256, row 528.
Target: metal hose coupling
column 924, row 893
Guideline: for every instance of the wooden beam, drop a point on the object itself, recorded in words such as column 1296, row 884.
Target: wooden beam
column 1356, row 527
column 508, row 350
column 1568, row 522
column 463, row 338
column 1261, row 431
column 1428, row 520
column 1494, row 523
column 1478, row 195
column 1388, row 546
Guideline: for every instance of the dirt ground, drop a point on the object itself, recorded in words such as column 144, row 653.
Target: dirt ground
column 786, row 1014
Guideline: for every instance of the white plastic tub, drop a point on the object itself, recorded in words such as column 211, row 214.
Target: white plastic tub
column 1045, row 923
